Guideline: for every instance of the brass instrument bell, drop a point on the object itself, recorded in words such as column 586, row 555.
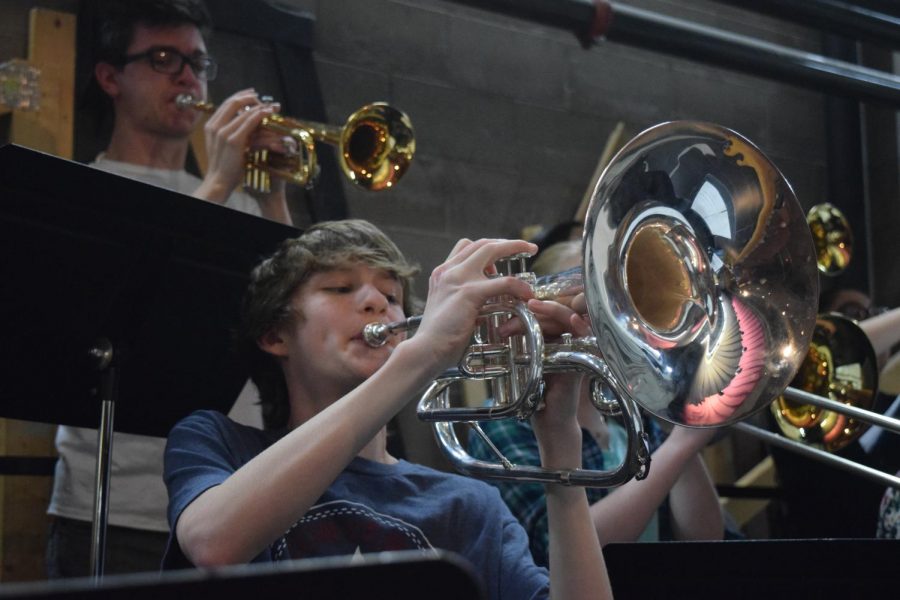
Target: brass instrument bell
column 832, row 237
column 840, row 365
column 375, row 147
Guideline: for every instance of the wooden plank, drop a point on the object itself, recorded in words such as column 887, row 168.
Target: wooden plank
column 23, row 503
column 617, row 138
column 23, row 499
column 763, row 474
column 51, row 48
column 719, row 459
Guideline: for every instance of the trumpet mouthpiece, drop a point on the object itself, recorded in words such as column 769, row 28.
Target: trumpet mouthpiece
column 184, row 101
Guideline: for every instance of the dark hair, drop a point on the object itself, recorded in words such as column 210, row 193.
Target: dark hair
column 118, row 19
column 105, row 31
column 267, row 302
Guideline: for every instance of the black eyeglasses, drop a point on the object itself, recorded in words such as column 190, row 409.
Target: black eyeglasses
column 170, row 61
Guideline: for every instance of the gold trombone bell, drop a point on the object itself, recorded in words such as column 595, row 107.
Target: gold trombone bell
column 840, row 365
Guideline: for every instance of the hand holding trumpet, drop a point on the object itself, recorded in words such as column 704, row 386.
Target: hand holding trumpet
column 230, row 131
column 375, row 146
column 457, row 290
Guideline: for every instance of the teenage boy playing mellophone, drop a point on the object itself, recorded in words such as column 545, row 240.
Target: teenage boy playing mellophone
column 319, row 481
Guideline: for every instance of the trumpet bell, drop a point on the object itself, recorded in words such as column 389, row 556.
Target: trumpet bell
column 832, row 237
column 700, row 274
column 377, row 146
column 840, row 365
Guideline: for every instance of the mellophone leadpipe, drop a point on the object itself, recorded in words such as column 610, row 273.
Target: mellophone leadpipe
column 375, row 146
column 551, row 287
column 377, row 334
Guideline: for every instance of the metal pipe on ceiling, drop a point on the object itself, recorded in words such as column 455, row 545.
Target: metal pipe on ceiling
column 593, row 19
column 835, row 16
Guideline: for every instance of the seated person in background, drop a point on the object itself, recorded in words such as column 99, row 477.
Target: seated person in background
column 318, row 481
column 148, row 52
column 678, row 480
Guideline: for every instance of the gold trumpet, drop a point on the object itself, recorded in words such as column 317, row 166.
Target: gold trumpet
column 832, row 237
column 375, row 146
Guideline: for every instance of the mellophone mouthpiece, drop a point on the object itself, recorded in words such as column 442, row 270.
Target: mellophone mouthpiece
column 377, row 334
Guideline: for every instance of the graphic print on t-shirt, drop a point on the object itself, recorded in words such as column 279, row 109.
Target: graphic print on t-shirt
column 340, row 527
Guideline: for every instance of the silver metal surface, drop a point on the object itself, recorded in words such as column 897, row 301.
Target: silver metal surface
column 867, row 416
column 820, row 455
column 842, row 369
column 701, row 283
column 636, row 462
column 517, row 366
column 700, row 274
column 377, row 334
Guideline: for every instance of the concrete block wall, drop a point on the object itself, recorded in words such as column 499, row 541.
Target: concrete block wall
column 511, row 117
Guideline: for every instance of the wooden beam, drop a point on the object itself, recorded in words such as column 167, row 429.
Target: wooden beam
column 617, row 138
column 744, row 509
column 51, row 48
column 23, row 499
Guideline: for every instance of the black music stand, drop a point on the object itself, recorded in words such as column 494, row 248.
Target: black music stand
column 404, row 575
column 754, row 569
column 156, row 275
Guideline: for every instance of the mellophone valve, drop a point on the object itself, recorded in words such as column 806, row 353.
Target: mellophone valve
column 375, row 147
column 514, row 368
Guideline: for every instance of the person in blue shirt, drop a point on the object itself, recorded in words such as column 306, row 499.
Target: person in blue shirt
column 319, row 480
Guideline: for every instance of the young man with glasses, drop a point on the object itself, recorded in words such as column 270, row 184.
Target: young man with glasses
column 148, row 52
